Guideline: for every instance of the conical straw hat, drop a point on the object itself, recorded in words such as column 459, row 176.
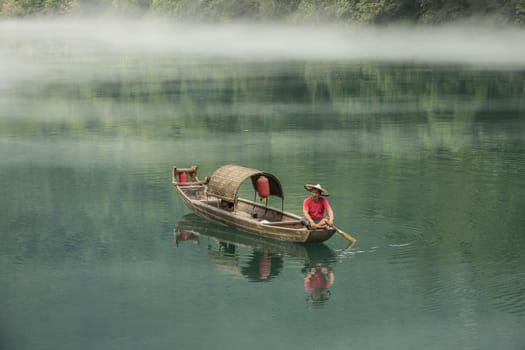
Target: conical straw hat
column 324, row 192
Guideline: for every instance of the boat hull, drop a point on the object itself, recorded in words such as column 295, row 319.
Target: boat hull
column 192, row 223
column 289, row 229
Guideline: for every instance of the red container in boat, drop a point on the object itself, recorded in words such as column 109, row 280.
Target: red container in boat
column 183, row 177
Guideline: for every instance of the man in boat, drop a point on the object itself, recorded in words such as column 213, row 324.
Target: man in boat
column 316, row 210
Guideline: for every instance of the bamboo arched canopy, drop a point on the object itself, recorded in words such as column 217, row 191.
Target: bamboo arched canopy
column 225, row 182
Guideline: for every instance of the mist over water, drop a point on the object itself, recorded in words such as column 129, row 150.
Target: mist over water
column 32, row 48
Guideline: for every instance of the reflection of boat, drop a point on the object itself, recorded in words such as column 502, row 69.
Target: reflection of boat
column 217, row 199
column 225, row 258
column 187, row 236
column 229, row 238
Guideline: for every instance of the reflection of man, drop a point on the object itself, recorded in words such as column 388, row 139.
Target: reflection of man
column 317, row 282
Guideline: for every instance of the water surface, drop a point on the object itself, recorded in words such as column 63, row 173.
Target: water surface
column 424, row 161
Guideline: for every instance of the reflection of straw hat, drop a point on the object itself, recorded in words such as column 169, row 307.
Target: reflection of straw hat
column 317, row 187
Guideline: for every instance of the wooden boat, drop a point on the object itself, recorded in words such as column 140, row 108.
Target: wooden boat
column 217, row 198
column 262, row 257
column 193, row 228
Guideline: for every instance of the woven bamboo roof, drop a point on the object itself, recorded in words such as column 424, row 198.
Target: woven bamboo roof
column 226, row 181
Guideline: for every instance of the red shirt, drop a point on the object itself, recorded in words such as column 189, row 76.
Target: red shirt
column 316, row 209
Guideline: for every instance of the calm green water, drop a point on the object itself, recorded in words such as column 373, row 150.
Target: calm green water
column 425, row 163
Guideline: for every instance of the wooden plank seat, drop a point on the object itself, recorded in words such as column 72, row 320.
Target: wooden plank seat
column 283, row 223
column 212, row 201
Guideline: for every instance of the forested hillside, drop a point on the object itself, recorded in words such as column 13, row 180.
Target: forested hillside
column 290, row 11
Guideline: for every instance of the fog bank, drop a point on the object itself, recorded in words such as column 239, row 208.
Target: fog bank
column 32, row 46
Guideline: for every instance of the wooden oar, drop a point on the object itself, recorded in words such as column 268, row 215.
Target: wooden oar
column 345, row 235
